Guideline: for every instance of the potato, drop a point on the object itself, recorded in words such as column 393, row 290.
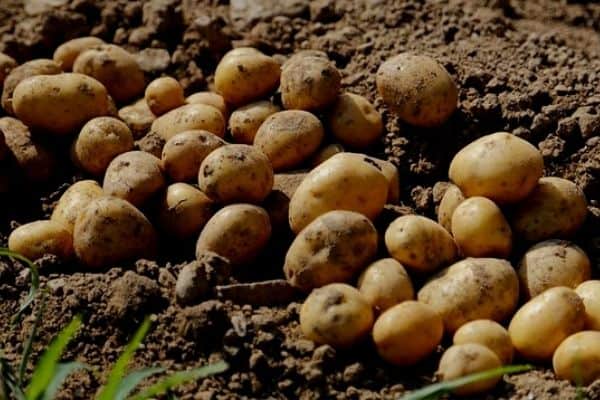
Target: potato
column 74, row 200
column 164, row 94
column 336, row 315
column 474, row 288
column 184, row 210
column 390, row 172
column 489, row 334
column 110, row 230
column 236, row 173
column 555, row 208
column 452, row 198
column 151, row 143
column 116, row 68
column 101, row 139
column 66, row 54
column 238, row 232
column 465, row 359
column 407, row 333
column 343, row 182
column 245, row 121
column 332, row 248
column 541, row 324
column 210, row 99
column 305, row 53
column 188, row 117
column 418, row 89
column 134, row 176
column 7, row 64
column 37, row 238
column 577, row 359
column 589, row 292
column 385, row 283
column 419, row 243
column 501, row 166
column 59, row 104
column 245, row 76
column 326, row 153
column 138, row 117
column 309, row 83
column 289, row 138
column 184, row 152
column 354, row 121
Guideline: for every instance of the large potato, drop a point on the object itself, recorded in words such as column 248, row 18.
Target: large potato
column 541, row 324
column 210, row 99
column 332, row 248
column 37, row 238
column 452, row 198
column 164, row 94
column 589, row 292
column 7, row 64
column 184, row 210
column 74, row 200
column 354, row 121
column 245, row 121
column 502, row 167
column 385, row 283
column 138, row 117
column 188, row 117
column 488, row 333
column 577, row 359
column 474, row 288
column 60, row 104
column 66, row 54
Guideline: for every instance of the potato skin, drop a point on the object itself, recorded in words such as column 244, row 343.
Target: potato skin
column 7, row 64
column 577, row 359
column 164, row 94
column 451, row 199
column 66, row 54
column 74, row 200
column 188, row 117
column 37, row 238
column 354, row 121
column 245, row 121
column 332, row 248
column 385, row 283
column 138, row 117
column 309, row 83
column 184, row 210
column 589, row 292
column 501, row 166
column 210, row 99
column 489, row 334
column 326, row 153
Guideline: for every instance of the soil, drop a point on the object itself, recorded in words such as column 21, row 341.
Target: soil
column 530, row 67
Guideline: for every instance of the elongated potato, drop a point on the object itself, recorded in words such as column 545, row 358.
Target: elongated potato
column 577, row 359
column 189, row 117
column 452, row 198
column 245, row 121
column 74, row 200
column 589, row 292
column 354, row 121
column 210, row 99
column 164, row 94
column 488, row 333
column 37, row 238
column 184, row 210
column 66, row 54
column 385, row 283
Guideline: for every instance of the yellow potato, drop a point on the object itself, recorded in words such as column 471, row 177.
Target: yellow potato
column 184, row 210
column 452, row 198
column 37, row 238
column 7, row 64
column 332, row 248
column 354, row 121
column 210, row 99
column 164, row 94
column 385, row 283
column 138, row 117
column 407, row 333
column 489, row 334
column 245, row 121
column 326, row 153
column 577, row 359
column 189, row 117
column 66, row 54
column 74, row 200
column 589, row 292
column 541, row 324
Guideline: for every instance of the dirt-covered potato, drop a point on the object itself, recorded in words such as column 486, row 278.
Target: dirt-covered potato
column 245, row 76
column 407, row 333
column 189, row 117
column 116, row 68
column 577, row 359
column 236, row 173
column 501, row 166
column 61, row 103
column 110, row 230
column 309, row 83
column 343, row 182
column 354, row 121
column 480, row 229
column 451, row 199
column 332, row 248
column 245, row 121
column 336, row 315
column 289, row 138
column 164, row 94
column 7, row 64
column 555, row 208
column 390, row 172
column 183, row 154
column 101, row 139
column 134, row 176
column 326, row 153
column 418, row 89
column 468, row 358
column 385, row 283
column 488, row 333
column 37, row 238
column 138, row 117
column 474, row 288
column 419, row 243
column 151, row 143
column 541, row 324
column 589, row 292
column 66, row 54
column 184, row 210
column 74, row 200
column 237, row 232
column 210, row 99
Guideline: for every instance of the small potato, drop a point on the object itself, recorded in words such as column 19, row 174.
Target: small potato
column 37, row 238
column 245, row 76
column 210, row 99
column 184, row 210
column 7, row 64
column 183, row 154
column 336, row 315
column 164, row 94
column 134, row 176
column 465, row 359
column 66, row 54
column 332, row 248
column 189, row 117
column 407, row 333
column 589, row 292
column 489, row 334
column 138, row 117
column 501, row 166
column 541, row 324
column 236, row 173
column 555, row 208
column 238, row 232
column 99, row 142
column 151, row 143
column 74, row 200
column 385, row 283
column 480, row 229
column 326, row 153
column 354, row 121
column 474, row 288
column 577, row 359
column 245, row 121
column 419, row 243
column 289, row 138
column 309, row 83
column 111, row 230
column 452, row 198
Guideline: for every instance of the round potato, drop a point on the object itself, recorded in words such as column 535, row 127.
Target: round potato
column 189, row 117
column 238, row 232
column 164, row 94
column 210, row 99
column 419, row 243
column 501, row 166
column 452, row 198
column 354, row 121
column 138, row 117
column 336, row 315
column 555, row 208
column 332, row 248
column 541, row 324
column 589, row 292
column 74, row 200
column 37, row 238
column 326, row 153
column 245, row 121
column 66, row 54
column 385, row 283
column 7, row 64
column 577, row 359
column 184, row 210
column 407, row 333
column 488, row 333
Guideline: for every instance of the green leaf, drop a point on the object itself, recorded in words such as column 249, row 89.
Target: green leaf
column 35, row 280
column 132, row 380
column 62, row 371
column 29, row 343
column 8, row 382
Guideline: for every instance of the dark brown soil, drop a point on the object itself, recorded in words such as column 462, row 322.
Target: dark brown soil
column 530, row 67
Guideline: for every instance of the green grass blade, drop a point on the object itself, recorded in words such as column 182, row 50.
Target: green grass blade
column 132, row 380
column 178, row 378
column 35, row 280
column 29, row 343
column 437, row 389
column 8, row 383
column 62, row 371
